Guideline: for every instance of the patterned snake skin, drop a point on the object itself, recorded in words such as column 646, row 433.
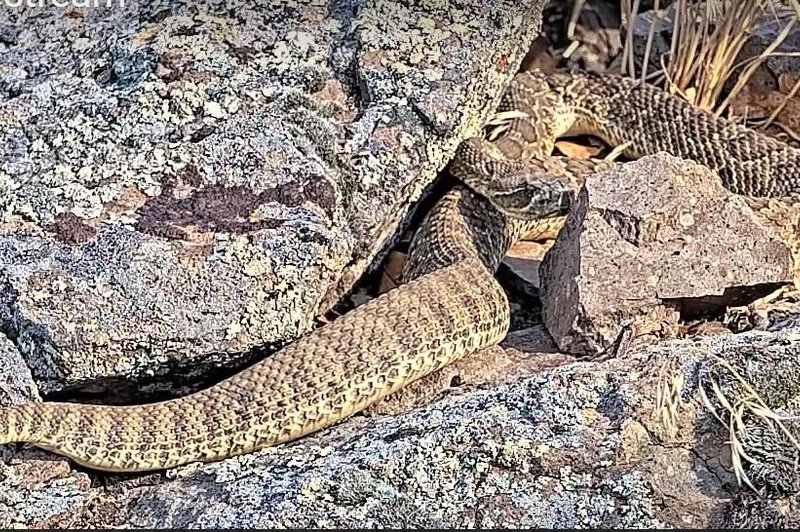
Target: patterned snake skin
column 449, row 304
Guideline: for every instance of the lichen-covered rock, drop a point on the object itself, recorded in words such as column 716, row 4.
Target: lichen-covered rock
column 183, row 181
column 628, row 442
column 650, row 241
column 40, row 491
column 16, row 382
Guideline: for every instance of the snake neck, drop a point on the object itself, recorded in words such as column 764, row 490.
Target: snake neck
column 463, row 226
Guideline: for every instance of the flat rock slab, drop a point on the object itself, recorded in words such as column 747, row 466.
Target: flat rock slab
column 583, row 445
column 181, row 182
column 648, row 241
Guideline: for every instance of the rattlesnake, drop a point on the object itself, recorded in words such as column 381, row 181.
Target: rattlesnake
column 448, row 304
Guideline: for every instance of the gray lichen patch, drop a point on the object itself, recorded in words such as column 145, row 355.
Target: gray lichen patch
column 181, row 182
column 16, row 381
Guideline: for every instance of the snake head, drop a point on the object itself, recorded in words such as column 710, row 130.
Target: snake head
column 530, row 200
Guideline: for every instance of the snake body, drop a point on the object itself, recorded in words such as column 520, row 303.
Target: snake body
column 448, row 305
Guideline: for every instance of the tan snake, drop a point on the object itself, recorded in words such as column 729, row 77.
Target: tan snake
column 449, row 304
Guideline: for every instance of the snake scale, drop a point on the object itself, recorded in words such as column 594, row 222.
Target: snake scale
column 448, row 303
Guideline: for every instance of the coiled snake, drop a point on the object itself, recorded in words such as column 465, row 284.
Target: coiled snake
column 448, row 304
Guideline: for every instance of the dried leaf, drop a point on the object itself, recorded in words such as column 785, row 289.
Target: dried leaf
column 577, row 151
column 787, row 81
column 539, row 57
column 751, row 102
column 392, row 268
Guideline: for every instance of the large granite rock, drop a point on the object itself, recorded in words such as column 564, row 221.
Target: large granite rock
column 631, row 442
column 184, row 181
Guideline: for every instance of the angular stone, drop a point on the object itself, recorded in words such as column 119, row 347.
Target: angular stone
column 182, row 182
column 651, row 241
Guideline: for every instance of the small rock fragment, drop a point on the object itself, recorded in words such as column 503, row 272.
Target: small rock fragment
column 524, row 258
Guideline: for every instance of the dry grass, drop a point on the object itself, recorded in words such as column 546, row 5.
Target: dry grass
column 707, row 37
column 668, row 397
column 729, row 410
column 748, row 402
column 500, row 122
